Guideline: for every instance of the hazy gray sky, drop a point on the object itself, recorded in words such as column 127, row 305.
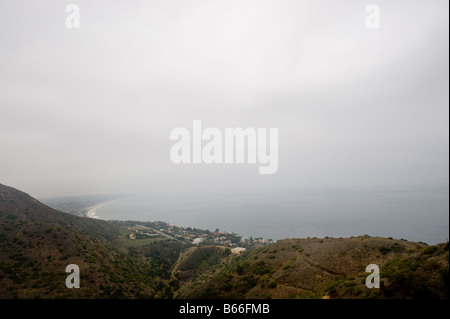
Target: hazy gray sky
column 90, row 110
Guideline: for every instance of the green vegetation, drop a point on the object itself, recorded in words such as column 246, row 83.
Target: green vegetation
column 289, row 263
column 396, row 247
column 421, row 275
column 331, row 268
column 142, row 242
column 38, row 243
column 157, row 260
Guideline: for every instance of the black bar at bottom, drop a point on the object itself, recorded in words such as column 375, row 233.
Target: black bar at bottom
column 223, row 308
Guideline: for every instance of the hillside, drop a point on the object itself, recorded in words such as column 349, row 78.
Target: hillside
column 38, row 242
column 79, row 205
column 328, row 268
column 143, row 260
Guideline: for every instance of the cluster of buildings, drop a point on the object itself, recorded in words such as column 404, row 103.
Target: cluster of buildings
column 196, row 236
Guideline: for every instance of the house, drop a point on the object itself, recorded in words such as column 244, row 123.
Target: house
column 197, row 241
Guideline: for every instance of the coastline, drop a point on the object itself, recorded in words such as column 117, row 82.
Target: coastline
column 90, row 211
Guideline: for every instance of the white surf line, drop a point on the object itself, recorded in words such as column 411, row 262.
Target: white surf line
column 90, row 213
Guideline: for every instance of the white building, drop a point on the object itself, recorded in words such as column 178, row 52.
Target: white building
column 197, row 241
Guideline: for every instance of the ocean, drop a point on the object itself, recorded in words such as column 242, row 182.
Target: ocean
column 416, row 214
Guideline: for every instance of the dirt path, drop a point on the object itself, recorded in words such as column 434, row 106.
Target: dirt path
column 180, row 257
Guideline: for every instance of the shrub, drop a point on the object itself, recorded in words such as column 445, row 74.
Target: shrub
column 260, row 268
column 429, row 250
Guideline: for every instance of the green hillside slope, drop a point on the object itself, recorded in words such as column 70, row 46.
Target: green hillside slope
column 138, row 260
column 37, row 243
column 328, row 268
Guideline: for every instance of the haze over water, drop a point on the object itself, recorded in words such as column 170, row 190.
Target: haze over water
column 90, row 110
column 417, row 214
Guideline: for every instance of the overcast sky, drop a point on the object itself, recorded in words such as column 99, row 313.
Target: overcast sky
column 90, row 110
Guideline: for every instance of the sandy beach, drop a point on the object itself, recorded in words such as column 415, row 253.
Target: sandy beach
column 90, row 211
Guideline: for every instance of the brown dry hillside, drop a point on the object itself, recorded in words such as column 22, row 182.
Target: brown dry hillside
column 328, row 268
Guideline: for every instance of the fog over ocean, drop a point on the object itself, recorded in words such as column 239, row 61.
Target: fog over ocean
column 361, row 111
column 412, row 213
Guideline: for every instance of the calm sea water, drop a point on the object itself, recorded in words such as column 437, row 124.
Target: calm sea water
column 417, row 214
